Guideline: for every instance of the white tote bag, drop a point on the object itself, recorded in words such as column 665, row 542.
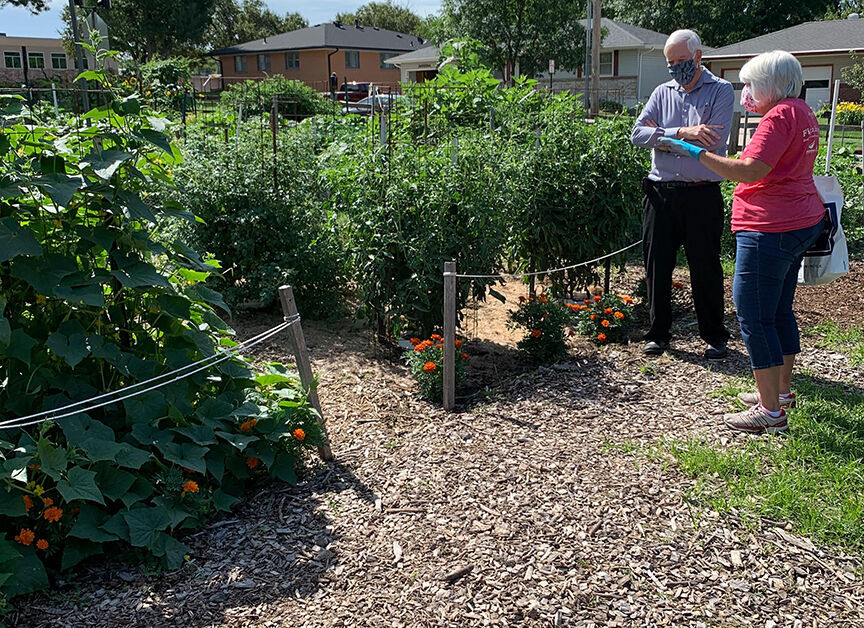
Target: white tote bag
column 828, row 258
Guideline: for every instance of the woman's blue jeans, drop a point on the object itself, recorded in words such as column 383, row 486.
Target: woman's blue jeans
column 766, row 274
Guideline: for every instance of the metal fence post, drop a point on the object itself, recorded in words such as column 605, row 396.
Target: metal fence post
column 449, row 375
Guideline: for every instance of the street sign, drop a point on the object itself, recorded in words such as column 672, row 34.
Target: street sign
column 551, row 66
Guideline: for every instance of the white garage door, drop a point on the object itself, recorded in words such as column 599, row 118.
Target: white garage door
column 816, row 90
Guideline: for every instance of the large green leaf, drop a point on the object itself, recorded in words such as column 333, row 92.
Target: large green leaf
column 11, row 505
column 44, row 273
column 20, row 346
column 140, row 489
column 105, row 163
column 69, row 342
column 146, row 408
column 134, row 208
column 117, row 525
column 51, row 458
column 16, row 240
column 176, row 306
column 61, row 188
column 76, row 550
column 157, row 139
column 145, row 522
column 28, row 574
column 240, row 441
column 80, row 287
column 223, row 501
column 170, row 549
column 88, row 525
column 284, row 467
column 198, row 434
column 210, row 296
column 113, row 482
column 140, row 274
column 186, row 455
column 80, row 484
column 132, row 457
column 148, row 435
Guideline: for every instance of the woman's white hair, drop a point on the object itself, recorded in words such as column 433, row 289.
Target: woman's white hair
column 773, row 76
column 685, row 34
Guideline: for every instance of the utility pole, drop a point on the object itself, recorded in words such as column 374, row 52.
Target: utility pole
column 78, row 56
column 595, row 58
column 587, row 65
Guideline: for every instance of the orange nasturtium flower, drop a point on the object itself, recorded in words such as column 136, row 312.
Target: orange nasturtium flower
column 536, row 333
column 53, row 514
column 252, row 462
column 429, row 367
column 597, row 298
column 28, row 503
column 42, row 544
column 619, row 315
column 25, row 537
column 299, row 434
column 246, row 426
column 47, row 501
column 190, row 487
column 601, row 337
column 415, row 341
column 605, row 323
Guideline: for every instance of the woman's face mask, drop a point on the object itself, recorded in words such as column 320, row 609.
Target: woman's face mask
column 747, row 101
column 683, row 72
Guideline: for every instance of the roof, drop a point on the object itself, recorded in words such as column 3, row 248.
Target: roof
column 622, row 35
column 828, row 36
column 423, row 55
column 330, row 35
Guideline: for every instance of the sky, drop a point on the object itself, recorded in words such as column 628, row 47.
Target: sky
column 17, row 22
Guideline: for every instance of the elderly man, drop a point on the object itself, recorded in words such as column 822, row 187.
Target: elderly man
column 683, row 203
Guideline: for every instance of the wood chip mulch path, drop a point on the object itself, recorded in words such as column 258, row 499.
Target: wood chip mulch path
column 529, row 508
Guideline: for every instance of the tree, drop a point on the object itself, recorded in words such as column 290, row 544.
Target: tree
column 720, row 22
column 234, row 23
column 387, row 15
column 854, row 74
column 35, row 6
column 527, row 32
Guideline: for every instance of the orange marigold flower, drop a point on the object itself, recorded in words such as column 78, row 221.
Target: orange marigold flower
column 608, row 310
column 47, row 501
column 28, row 503
column 464, row 356
column 190, row 487
column 542, row 299
column 252, row 462
column 628, row 300
column 246, row 426
column 26, row 536
column 42, row 544
column 53, row 513
column 428, row 343
column 536, row 333
column 601, row 337
column 299, row 434
column 593, row 317
column 420, row 348
column 597, row 298
column 429, row 367
column 415, row 341
column 34, row 467
column 619, row 315
column 436, row 337
column 439, row 346
column 605, row 323
column 586, row 301
column 457, row 343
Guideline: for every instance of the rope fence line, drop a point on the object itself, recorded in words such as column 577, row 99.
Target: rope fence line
column 51, row 415
column 542, row 272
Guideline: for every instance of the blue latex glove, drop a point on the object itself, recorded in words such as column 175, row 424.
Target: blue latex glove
column 680, row 147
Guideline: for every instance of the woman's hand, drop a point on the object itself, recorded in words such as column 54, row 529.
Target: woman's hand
column 680, row 147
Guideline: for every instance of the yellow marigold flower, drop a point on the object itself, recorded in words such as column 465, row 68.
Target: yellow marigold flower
column 38, row 490
column 26, row 536
column 53, row 514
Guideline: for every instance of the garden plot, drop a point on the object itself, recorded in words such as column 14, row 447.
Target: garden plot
column 549, row 502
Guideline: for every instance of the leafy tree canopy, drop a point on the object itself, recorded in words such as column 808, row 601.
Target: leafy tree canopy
column 529, row 32
column 387, row 15
column 36, row 6
column 237, row 22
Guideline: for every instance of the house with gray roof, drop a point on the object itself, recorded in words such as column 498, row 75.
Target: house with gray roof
column 356, row 53
column 823, row 48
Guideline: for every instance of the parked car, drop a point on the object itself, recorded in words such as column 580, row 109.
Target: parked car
column 370, row 104
column 353, row 91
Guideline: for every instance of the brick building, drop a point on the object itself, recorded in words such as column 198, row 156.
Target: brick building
column 42, row 57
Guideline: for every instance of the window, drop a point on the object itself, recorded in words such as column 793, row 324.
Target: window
column 35, row 60
column 239, row 63
column 607, row 63
column 292, row 60
column 58, row 60
column 13, row 59
column 387, row 55
column 263, row 63
column 352, row 58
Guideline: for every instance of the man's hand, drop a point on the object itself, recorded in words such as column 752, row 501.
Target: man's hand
column 703, row 134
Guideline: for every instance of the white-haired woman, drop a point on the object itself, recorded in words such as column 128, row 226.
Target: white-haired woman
column 776, row 216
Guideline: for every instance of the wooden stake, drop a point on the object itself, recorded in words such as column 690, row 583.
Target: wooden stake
column 301, row 355
column 449, row 392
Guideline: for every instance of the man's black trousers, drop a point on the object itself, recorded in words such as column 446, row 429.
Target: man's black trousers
column 693, row 217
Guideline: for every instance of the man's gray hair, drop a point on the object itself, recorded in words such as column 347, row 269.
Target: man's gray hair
column 685, row 34
column 773, row 76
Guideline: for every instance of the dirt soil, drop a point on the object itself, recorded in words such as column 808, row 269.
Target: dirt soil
column 527, row 507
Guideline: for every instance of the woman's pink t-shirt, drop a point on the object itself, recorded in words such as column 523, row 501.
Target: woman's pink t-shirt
column 787, row 139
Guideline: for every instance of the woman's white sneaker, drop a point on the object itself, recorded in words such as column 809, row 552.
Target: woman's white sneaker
column 752, row 399
column 756, row 420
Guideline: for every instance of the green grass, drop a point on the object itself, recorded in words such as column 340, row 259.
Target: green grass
column 848, row 341
column 813, row 477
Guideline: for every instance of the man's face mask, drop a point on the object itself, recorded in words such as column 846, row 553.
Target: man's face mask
column 683, row 72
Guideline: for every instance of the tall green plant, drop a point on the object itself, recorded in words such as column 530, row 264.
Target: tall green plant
column 91, row 301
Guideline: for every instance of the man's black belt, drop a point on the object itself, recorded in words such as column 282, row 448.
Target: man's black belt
column 674, row 185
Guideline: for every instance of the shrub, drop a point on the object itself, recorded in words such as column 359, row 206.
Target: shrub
column 611, row 106
column 603, row 319
column 544, row 321
column 90, row 301
column 265, row 236
column 426, row 362
column 257, row 97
